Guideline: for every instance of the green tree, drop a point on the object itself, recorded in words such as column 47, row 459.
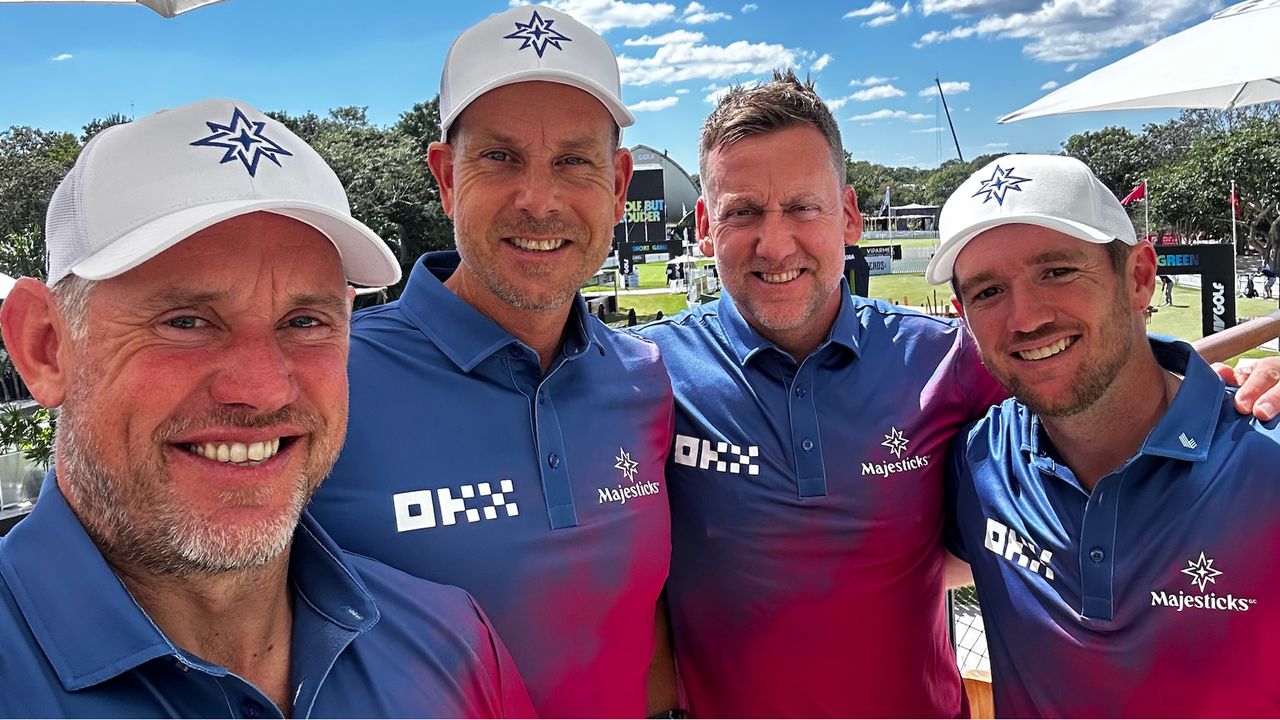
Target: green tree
column 1115, row 154
column 97, row 125
column 32, row 163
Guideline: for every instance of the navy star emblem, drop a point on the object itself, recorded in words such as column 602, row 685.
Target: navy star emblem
column 1201, row 571
column 538, row 34
column 1000, row 182
column 895, row 441
column 242, row 139
column 626, row 465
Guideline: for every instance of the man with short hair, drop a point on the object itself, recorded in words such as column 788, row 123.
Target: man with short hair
column 807, row 572
column 194, row 334
column 1117, row 512
column 502, row 439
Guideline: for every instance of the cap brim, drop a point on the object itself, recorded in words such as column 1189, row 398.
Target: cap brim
column 366, row 259
column 621, row 115
column 942, row 265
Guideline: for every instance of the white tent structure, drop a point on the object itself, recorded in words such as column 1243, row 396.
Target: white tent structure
column 1225, row 62
column 167, row 8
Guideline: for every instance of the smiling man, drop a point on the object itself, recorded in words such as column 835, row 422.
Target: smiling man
column 1118, row 512
column 502, row 439
column 194, row 334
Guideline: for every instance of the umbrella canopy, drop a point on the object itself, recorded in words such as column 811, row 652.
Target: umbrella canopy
column 167, row 8
column 6, row 284
column 1225, row 62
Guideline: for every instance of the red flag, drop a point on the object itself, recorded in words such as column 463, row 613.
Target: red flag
column 1135, row 194
column 1235, row 204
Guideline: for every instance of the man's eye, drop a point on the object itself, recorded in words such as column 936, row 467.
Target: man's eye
column 804, row 213
column 498, row 155
column 304, row 321
column 986, row 293
column 575, row 160
column 186, row 322
column 1060, row 272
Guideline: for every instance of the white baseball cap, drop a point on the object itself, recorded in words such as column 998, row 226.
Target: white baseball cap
column 140, row 188
column 1051, row 191
column 530, row 42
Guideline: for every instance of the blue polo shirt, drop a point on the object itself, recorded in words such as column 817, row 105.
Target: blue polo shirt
column 543, row 496
column 1156, row 595
column 806, row 501
column 368, row 641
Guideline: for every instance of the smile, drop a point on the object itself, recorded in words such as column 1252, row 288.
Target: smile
column 1047, row 351
column 537, row 245
column 777, row 278
column 235, row 452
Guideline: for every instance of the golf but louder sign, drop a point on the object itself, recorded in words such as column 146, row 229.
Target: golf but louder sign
column 1215, row 264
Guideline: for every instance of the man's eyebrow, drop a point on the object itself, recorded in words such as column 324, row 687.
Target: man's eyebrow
column 1045, row 258
column 175, row 298
column 580, row 143
column 335, row 304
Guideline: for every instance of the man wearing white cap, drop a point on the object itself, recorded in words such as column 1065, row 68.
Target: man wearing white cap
column 502, row 439
column 1118, row 513
column 194, row 334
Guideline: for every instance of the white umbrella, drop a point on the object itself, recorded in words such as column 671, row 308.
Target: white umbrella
column 6, row 284
column 1227, row 61
column 167, row 8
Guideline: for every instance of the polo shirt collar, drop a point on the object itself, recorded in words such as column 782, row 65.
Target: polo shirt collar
column 1185, row 432
column 747, row 342
column 92, row 637
column 465, row 335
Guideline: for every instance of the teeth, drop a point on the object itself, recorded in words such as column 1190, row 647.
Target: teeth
column 1049, row 350
column 538, row 245
column 780, row 277
column 237, row 452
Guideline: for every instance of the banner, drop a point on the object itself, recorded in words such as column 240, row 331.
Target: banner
column 1216, row 266
column 643, row 229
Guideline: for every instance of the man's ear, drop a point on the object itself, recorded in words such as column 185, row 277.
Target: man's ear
column 1143, row 270
column 623, row 168
column 703, row 223
column 37, row 339
column 440, row 160
column 852, row 216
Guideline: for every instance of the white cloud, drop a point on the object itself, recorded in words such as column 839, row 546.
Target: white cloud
column 906, row 8
column 880, row 92
column 654, row 105
column 679, row 62
column 926, row 131
column 892, row 115
column 879, row 7
column 62, row 57
column 604, row 15
column 882, row 20
column 696, row 14
column 871, row 80
column 682, row 91
column 1062, row 30
column 995, row 145
column 675, row 36
column 821, row 63
column 950, row 87
column 749, row 7
column 1051, row 85
column 1072, row 67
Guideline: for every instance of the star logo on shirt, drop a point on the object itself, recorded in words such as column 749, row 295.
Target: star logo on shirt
column 538, row 34
column 896, row 443
column 626, row 465
column 1000, row 182
column 1201, row 571
column 243, row 140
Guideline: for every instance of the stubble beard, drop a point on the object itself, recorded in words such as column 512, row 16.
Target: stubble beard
column 512, row 292
column 136, row 520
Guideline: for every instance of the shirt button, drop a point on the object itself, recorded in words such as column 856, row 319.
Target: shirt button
column 1097, row 555
column 514, row 351
column 553, row 460
column 542, row 398
column 807, row 445
column 799, row 392
column 251, row 709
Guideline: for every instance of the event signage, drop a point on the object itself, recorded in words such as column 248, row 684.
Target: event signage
column 643, row 228
column 1216, row 266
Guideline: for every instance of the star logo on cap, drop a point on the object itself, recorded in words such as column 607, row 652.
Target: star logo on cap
column 1000, row 182
column 242, row 139
column 626, row 465
column 538, row 34
column 1201, row 571
column 896, row 442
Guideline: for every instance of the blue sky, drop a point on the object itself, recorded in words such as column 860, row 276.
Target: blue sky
column 874, row 61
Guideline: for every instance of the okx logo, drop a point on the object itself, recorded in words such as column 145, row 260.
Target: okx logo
column 417, row 510
column 720, row 456
column 1006, row 543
